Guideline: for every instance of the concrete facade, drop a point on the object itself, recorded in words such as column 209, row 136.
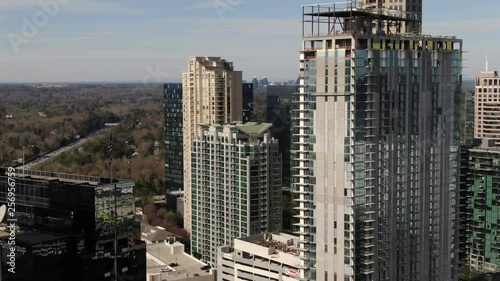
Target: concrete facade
column 265, row 257
column 412, row 6
column 487, row 101
column 169, row 262
column 376, row 149
column 212, row 94
column 236, row 186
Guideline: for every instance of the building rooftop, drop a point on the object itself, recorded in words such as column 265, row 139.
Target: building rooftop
column 281, row 243
column 151, row 233
column 176, row 192
column 281, row 248
column 380, row 13
column 487, row 74
column 175, row 263
column 31, row 237
column 201, row 58
column 487, row 145
column 253, row 128
column 66, row 178
column 349, row 17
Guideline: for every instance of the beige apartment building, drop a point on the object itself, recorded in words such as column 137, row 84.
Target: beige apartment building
column 212, row 94
column 487, row 106
column 409, row 6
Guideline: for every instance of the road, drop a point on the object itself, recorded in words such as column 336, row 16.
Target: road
column 47, row 158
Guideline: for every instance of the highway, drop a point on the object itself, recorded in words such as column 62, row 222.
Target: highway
column 47, row 158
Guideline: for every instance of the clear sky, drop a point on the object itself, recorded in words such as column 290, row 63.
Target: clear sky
column 151, row 40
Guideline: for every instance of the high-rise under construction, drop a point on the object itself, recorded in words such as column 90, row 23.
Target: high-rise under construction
column 376, row 146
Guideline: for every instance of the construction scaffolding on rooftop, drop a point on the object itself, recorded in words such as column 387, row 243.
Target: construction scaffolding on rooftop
column 350, row 18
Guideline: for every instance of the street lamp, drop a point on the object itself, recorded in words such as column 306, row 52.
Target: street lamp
column 23, row 158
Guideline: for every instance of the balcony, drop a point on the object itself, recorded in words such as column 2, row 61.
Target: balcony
column 302, row 232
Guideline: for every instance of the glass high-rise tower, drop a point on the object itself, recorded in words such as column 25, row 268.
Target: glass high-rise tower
column 376, row 147
column 174, row 169
column 483, row 251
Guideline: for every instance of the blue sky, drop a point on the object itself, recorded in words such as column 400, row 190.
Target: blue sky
column 151, row 40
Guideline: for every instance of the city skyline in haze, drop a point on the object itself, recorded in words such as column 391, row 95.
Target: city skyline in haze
column 130, row 41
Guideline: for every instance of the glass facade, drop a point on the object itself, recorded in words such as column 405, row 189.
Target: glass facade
column 174, row 179
column 236, row 187
column 483, row 234
column 375, row 157
column 66, row 231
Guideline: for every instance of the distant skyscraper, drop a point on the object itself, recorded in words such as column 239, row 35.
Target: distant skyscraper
column 376, row 148
column 255, row 82
column 211, row 91
column 66, row 228
column 247, row 101
column 487, row 102
column 174, row 175
column 484, row 208
column 264, row 82
column 236, row 186
column 411, row 6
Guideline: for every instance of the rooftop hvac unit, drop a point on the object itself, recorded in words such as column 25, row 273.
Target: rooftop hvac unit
column 268, row 237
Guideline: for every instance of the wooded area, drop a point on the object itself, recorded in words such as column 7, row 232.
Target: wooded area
column 44, row 118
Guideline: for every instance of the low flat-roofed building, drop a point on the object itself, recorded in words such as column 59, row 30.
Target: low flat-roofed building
column 151, row 234
column 168, row 262
column 261, row 257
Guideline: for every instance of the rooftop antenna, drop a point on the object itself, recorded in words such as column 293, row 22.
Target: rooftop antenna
column 486, row 62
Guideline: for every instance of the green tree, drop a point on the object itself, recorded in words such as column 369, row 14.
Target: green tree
column 288, row 205
column 145, row 201
column 467, row 273
column 259, row 117
column 175, row 218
